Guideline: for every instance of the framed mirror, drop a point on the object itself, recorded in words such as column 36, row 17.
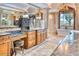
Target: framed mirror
column 66, row 18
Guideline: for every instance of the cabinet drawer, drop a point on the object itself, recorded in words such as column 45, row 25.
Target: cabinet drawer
column 31, row 33
column 4, row 39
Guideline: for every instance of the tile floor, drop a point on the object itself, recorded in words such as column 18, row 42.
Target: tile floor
column 46, row 48
column 69, row 46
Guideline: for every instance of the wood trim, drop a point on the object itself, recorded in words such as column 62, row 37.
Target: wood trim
column 59, row 20
column 36, row 36
column 74, row 19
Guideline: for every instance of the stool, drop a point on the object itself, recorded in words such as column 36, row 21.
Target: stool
column 19, row 43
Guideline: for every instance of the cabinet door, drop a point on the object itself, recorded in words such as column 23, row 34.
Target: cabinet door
column 45, row 35
column 4, row 49
column 31, row 39
column 41, row 37
column 31, row 43
column 5, row 46
column 38, row 41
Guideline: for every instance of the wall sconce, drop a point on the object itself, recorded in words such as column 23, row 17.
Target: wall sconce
column 39, row 15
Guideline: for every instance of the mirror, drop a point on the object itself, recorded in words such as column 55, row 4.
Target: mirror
column 67, row 18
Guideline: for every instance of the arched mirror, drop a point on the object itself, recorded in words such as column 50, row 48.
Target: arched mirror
column 66, row 17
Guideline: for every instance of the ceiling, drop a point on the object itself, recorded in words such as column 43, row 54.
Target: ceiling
column 24, row 6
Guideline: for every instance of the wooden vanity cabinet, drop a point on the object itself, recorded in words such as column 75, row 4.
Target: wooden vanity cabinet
column 45, row 35
column 38, row 40
column 5, row 46
column 41, row 36
column 34, row 38
column 30, row 40
column 5, row 49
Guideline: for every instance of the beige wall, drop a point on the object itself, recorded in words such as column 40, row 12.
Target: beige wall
column 77, row 18
column 52, row 23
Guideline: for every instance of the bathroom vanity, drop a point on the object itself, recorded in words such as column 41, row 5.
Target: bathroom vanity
column 12, row 34
column 5, row 44
column 7, row 37
column 30, row 40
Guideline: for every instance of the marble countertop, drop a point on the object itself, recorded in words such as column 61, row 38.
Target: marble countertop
column 4, row 33
column 33, row 29
column 5, row 26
